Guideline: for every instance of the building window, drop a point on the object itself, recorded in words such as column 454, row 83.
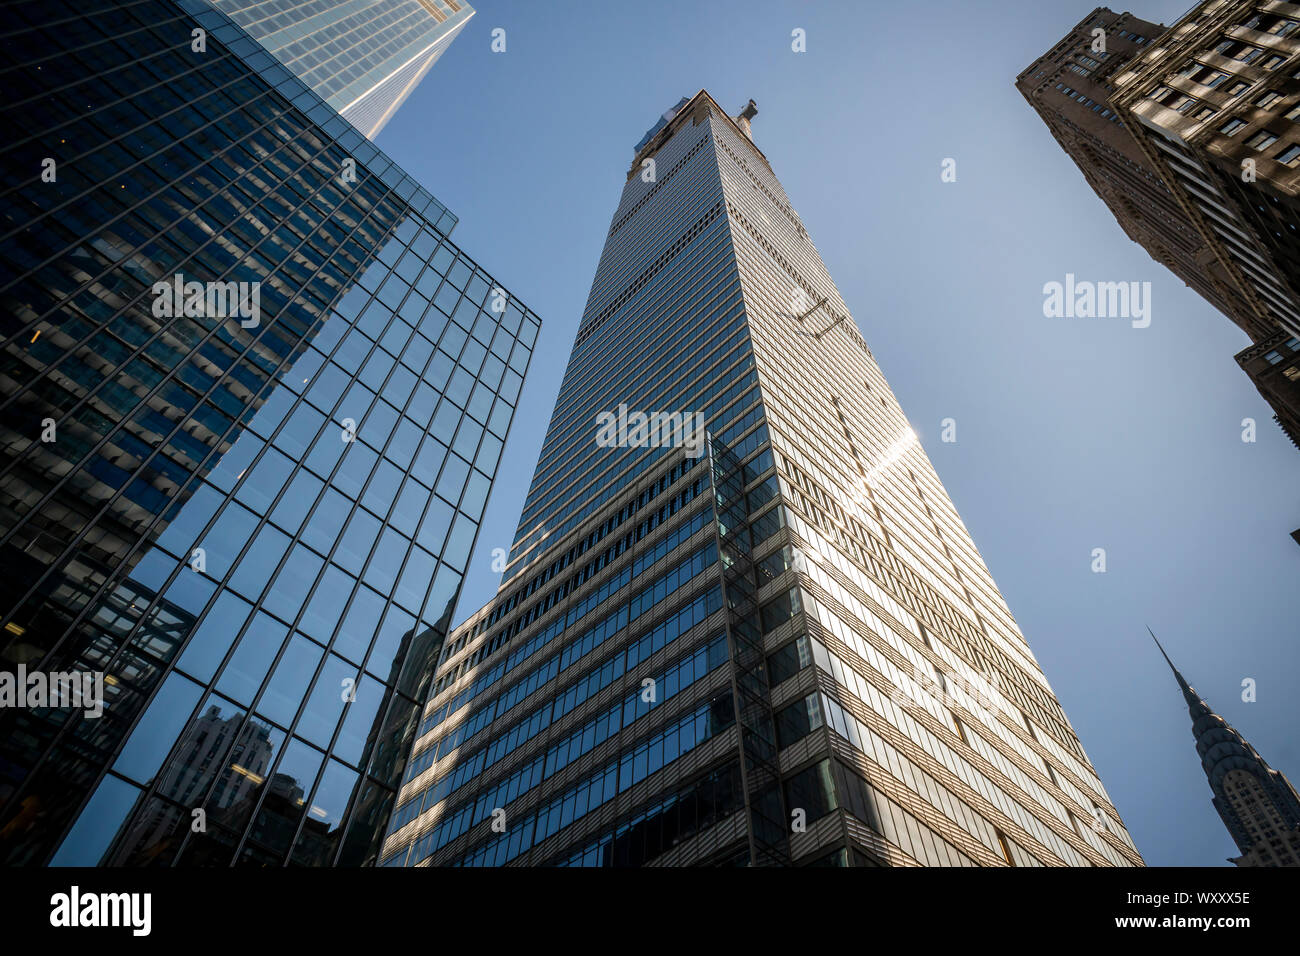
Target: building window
column 1290, row 156
column 1273, row 357
column 1274, row 61
column 1230, row 128
column 789, row 660
column 779, row 610
column 1238, row 88
column 1262, row 140
column 1004, row 847
column 798, row 720
column 958, row 728
column 1294, row 113
column 1204, row 113
column 1268, row 99
column 812, row 791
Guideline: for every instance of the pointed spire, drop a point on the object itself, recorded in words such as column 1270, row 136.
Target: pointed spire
column 1190, row 695
column 1223, row 751
column 1181, row 682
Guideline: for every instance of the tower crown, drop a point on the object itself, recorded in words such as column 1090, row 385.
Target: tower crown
column 1244, row 785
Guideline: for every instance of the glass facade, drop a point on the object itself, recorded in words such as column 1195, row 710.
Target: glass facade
column 780, row 647
column 364, row 57
column 252, row 522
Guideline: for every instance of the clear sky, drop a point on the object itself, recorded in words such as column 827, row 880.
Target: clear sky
column 1072, row 434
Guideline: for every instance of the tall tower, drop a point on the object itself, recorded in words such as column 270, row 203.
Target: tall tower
column 1070, row 88
column 1257, row 804
column 1215, row 107
column 244, row 510
column 364, row 59
column 1190, row 135
column 773, row 645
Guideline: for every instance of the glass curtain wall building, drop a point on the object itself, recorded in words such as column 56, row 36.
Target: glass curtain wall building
column 776, row 646
column 247, row 509
column 364, row 57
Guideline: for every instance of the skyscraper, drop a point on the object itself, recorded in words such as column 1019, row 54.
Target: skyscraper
column 1070, row 88
column 363, row 58
column 253, row 401
column 774, row 644
column 1202, row 164
column 1257, row 804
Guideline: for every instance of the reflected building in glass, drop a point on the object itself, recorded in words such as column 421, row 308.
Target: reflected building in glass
column 248, row 505
column 778, row 645
column 363, row 58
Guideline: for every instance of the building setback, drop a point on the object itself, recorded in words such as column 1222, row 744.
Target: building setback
column 1190, row 136
column 248, row 510
column 1257, row 804
column 363, row 57
column 776, row 646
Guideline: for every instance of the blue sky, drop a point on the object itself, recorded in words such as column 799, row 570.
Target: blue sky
column 1072, row 434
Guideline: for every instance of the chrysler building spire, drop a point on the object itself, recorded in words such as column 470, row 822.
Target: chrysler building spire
column 1257, row 804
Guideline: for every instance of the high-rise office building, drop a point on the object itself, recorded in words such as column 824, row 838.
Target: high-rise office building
column 363, row 57
column 1273, row 364
column 1190, row 134
column 773, row 645
column 1257, row 804
column 1213, row 104
column 1070, row 87
column 253, row 401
